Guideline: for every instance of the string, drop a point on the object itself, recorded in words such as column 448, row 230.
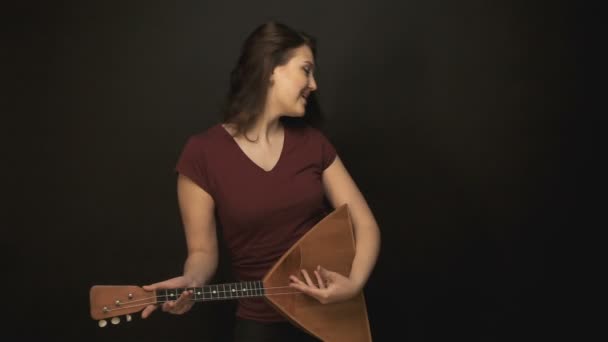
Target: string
column 131, row 303
column 123, row 307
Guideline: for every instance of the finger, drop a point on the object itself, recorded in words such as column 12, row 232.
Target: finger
column 299, row 285
column 297, row 280
column 307, row 277
column 321, row 282
column 179, row 311
column 151, row 287
column 182, row 304
column 182, row 301
column 183, row 309
column 148, row 311
column 155, row 286
column 326, row 274
column 168, row 306
column 311, row 291
column 176, row 310
column 302, row 286
column 166, row 284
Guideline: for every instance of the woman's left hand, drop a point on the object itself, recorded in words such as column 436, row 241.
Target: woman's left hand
column 331, row 287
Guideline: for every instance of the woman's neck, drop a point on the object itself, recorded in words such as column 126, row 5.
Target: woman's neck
column 265, row 129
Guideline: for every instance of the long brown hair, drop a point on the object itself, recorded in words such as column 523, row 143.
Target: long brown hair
column 268, row 46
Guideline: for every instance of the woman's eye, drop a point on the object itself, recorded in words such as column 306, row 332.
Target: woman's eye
column 307, row 71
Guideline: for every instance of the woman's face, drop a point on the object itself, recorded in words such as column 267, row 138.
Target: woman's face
column 292, row 83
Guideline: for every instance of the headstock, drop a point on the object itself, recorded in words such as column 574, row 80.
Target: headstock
column 110, row 302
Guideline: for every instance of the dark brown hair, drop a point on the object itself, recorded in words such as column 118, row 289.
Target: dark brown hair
column 268, row 46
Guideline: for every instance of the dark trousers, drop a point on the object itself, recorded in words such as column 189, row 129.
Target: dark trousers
column 253, row 331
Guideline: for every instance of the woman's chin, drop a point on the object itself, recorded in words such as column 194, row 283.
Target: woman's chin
column 296, row 114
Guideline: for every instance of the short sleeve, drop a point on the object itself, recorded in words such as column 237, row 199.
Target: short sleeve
column 328, row 151
column 192, row 163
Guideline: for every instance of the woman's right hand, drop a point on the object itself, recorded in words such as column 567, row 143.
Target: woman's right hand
column 177, row 307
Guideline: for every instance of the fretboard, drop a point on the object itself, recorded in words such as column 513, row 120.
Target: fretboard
column 246, row 289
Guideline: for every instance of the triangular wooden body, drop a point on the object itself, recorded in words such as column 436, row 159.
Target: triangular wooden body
column 331, row 244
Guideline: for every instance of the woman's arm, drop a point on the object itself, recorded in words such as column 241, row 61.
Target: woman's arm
column 341, row 189
column 197, row 212
column 331, row 287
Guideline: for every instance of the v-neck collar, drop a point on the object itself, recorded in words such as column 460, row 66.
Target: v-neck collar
column 242, row 153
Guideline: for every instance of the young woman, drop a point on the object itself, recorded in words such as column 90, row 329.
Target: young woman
column 265, row 177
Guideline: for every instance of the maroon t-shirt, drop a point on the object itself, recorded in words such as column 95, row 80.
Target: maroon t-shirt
column 261, row 213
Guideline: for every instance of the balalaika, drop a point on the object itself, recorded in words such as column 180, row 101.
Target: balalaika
column 329, row 243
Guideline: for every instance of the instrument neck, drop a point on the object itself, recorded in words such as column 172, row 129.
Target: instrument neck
column 247, row 289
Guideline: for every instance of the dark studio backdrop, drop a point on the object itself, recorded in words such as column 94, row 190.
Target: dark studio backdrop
column 451, row 116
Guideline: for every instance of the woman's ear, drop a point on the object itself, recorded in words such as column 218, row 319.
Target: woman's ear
column 276, row 71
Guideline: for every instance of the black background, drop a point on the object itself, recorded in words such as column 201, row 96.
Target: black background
column 459, row 121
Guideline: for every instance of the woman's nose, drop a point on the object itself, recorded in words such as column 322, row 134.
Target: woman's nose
column 312, row 83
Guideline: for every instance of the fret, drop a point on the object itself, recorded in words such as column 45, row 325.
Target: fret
column 246, row 289
column 223, row 292
column 171, row 294
column 214, row 293
column 180, row 291
column 206, row 293
column 258, row 288
column 249, row 289
column 161, row 296
column 231, row 290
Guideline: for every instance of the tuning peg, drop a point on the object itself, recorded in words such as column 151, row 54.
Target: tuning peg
column 115, row 320
column 102, row 323
column 129, row 318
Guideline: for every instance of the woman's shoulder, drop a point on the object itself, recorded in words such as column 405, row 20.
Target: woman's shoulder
column 202, row 140
column 313, row 134
column 209, row 134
